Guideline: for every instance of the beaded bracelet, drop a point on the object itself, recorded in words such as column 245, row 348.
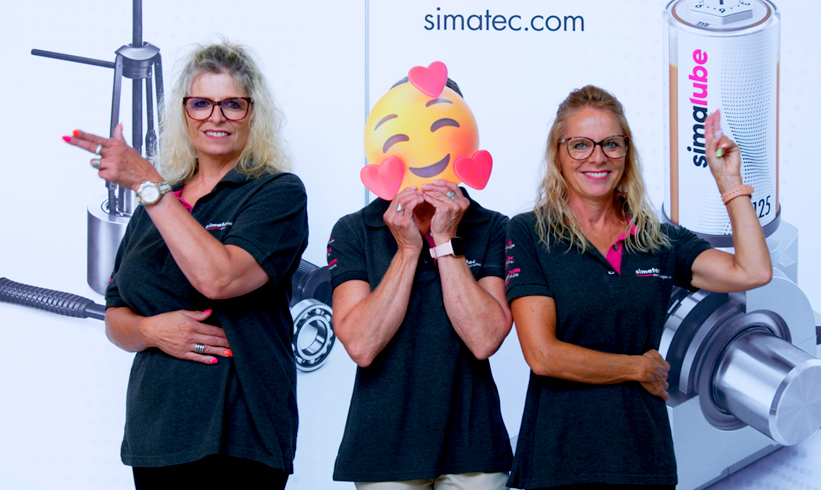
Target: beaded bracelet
column 742, row 190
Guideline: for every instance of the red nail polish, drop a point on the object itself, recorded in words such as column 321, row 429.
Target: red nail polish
column 76, row 132
column 208, row 311
column 67, row 139
column 228, row 353
column 214, row 361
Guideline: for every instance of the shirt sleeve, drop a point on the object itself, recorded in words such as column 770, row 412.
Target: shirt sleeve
column 494, row 262
column 524, row 273
column 346, row 259
column 273, row 225
column 687, row 246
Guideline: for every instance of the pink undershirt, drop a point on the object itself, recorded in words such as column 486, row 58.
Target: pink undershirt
column 187, row 206
column 614, row 252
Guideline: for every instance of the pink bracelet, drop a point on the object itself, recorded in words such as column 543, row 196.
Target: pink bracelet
column 742, row 190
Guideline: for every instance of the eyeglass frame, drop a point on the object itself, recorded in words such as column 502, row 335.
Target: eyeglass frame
column 599, row 144
column 215, row 103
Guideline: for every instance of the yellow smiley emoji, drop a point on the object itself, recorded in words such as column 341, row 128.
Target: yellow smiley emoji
column 421, row 131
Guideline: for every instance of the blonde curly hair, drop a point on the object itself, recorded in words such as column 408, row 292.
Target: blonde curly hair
column 264, row 153
column 555, row 219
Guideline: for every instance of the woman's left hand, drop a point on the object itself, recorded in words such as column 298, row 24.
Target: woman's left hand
column 450, row 205
column 117, row 162
column 723, row 154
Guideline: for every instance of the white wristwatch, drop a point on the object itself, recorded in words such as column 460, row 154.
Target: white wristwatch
column 151, row 192
column 454, row 246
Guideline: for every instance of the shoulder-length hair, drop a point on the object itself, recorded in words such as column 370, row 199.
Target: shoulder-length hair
column 556, row 221
column 264, row 152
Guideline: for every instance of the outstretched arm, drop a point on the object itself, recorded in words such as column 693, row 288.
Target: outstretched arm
column 749, row 267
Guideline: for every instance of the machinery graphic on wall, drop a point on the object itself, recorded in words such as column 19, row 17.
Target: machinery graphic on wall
column 744, row 377
column 140, row 61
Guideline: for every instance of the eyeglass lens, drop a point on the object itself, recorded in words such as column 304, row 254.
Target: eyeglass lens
column 580, row 148
column 234, row 109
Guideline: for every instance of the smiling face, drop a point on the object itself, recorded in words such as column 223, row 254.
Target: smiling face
column 427, row 133
column 216, row 138
column 598, row 176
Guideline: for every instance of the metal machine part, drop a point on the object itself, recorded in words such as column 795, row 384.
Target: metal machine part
column 49, row 300
column 311, row 298
column 744, row 377
column 138, row 61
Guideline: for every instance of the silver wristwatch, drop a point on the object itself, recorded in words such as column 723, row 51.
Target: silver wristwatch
column 151, row 192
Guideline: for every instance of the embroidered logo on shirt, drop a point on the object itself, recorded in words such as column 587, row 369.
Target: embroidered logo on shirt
column 651, row 272
column 473, row 263
column 218, row 226
column 512, row 274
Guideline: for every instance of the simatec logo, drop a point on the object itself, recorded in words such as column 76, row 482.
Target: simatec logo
column 218, row 226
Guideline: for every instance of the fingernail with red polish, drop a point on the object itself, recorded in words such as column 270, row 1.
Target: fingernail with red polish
column 208, row 311
column 67, row 139
column 214, row 361
column 76, row 132
column 228, row 353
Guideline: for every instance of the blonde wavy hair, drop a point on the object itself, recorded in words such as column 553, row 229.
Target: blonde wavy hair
column 264, row 153
column 555, row 219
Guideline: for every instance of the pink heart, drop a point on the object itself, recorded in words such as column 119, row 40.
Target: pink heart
column 474, row 171
column 384, row 179
column 431, row 80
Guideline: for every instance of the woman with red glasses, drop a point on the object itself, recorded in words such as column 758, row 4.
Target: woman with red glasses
column 590, row 272
column 201, row 284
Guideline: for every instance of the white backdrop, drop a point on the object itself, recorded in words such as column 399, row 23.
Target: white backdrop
column 64, row 384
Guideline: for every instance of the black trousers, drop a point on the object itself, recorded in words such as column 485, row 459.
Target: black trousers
column 215, row 471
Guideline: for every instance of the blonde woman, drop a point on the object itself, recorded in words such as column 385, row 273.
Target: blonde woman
column 589, row 276
column 202, row 281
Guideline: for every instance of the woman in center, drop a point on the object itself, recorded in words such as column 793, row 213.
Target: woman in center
column 589, row 276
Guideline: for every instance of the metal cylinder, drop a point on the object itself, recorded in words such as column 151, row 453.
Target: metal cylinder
column 105, row 231
column 771, row 385
column 721, row 55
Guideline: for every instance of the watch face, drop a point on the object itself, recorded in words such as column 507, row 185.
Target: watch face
column 150, row 194
column 458, row 246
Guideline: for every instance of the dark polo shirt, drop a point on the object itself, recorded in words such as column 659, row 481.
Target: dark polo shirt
column 180, row 411
column 425, row 406
column 575, row 433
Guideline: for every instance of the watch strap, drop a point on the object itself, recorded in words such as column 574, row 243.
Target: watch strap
column 454, row 246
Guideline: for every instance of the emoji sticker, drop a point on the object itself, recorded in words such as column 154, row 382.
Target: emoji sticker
column 421, row 131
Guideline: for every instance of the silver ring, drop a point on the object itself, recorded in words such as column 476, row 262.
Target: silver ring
column 99, row 150
column 96, row 162
column 451, row 195
column 399, row 208
column 718, row 133
column 199, row 348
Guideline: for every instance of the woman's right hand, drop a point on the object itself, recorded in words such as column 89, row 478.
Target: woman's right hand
column 177, row 332
column 653, row 377
column 400, row 220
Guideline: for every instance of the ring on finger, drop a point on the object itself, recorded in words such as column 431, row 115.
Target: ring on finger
column 99, row 150
column 199, row 348
column 451, row 195
column 96, row 163
column 399, row 207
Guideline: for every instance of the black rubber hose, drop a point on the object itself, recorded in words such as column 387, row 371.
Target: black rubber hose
column 53, row 301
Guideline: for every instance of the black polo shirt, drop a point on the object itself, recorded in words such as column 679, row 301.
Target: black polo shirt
column 180, row 411
column 425, row 406
column 575, row 433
